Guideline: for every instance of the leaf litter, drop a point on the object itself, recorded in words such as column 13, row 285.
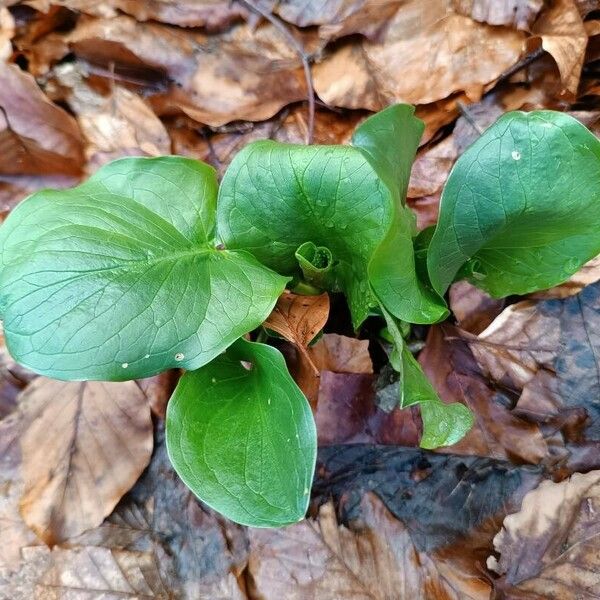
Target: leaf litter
column 501, row 513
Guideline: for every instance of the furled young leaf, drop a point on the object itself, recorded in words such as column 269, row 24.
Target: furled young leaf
column 443, row 424
column 118, row 278
column 243, row 438
column 276, row 197
column 521, row 209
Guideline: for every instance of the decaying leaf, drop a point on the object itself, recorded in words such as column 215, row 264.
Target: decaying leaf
column 37, row 137
column 83, row 446
column 460, row 55
column 473, row 308
column 550, row 549
column 546, row 353
column 376, row 559
column 114, row 125
column 255, row 70
column 213, row 15
column 514, row 13
column 298, row 319
column 498, row 432
column 7, row 31
column 563, row 35
column 14, row 534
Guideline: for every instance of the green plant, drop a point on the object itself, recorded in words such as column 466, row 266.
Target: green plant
column 151, row 265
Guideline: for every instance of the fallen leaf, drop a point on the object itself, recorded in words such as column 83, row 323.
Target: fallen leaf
column 100, row 441
column 199, row 553
column 41, row 137
column 563, row 35
column 547, row 354
column 550, row 549
column 212, row 15
column 86, row 571
column 7, row 32
column 375, row 558
column 14, row 533
column 342, row 354
column 298, row 319
column 513, row 13
column 447, row 502
column 114, row 125
column 498, row 432
column 417, row 63
column 255, row 70
column 473, row 309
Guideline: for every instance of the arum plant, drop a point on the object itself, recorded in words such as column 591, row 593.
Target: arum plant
column 151, row 265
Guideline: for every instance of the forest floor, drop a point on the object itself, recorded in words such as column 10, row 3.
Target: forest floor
column 90, row 507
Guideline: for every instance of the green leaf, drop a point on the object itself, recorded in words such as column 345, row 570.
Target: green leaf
column 316, row 263
column 118, row 279
column 521, row 209
column 443, row 424
column 244, row 440
column 276, row 197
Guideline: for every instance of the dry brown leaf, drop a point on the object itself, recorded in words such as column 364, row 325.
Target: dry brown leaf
column 376, row 560
column 39, row 138
column 563, row 35
column 426, row 54
column 335, row 353
column 83, row 446
column 517, row 344
column 212, row 15
column 85, row 572
column 550, row 549
column 513, row 13
column 298, row 319
column 498, row 432
column 14, row 534
column 473, row 308
column 242, row 74
column 338, row 18
column 7, row 32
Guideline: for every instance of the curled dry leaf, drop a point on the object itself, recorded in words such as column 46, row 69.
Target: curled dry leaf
column 498, row 432
column 375, row 559
column 473, row 308
column 563, row 35
column 460, row 55
column 40, row 138
column 551, row 548
column 83, row 446
column 115, row 125
column 298, row 319
column 255, row 70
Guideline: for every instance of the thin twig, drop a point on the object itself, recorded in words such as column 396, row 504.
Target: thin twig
column 285, row 32
column 466, row 113
column 524, row 62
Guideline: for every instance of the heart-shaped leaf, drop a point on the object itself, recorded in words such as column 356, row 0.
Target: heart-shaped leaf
column 118, row 278
column 242, row 437
column 521, row 209
column 276, row 197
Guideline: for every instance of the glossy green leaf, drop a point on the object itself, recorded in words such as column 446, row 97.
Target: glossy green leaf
column 316, row 264
column 244, row 440
column 443, row 424
column 521, row 209
column 118, row 278
column 276, row 197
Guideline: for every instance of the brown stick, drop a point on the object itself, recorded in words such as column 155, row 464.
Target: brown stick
column 297, row 46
